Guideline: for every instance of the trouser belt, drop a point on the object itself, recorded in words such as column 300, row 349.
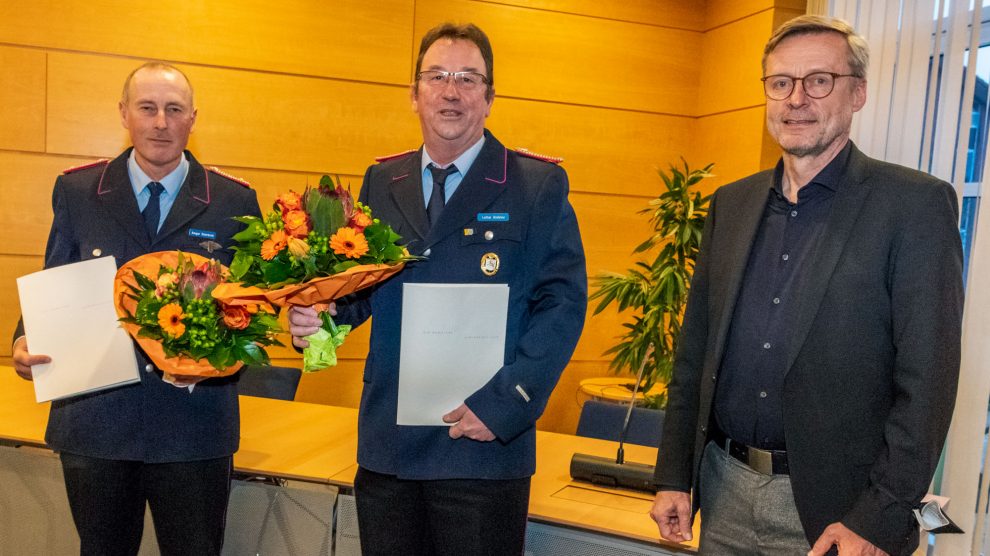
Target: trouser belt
column 768, row 462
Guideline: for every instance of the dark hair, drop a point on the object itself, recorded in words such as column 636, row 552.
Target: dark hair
column 467, row 32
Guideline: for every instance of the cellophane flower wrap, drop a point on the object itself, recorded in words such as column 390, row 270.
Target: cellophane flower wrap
column 312, row 249
column 165, row 302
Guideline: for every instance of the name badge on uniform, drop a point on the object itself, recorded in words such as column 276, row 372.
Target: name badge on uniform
column 493, row 217
column 203, row 234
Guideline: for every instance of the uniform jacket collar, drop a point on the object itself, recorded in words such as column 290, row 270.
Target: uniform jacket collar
column 483, row 183
column 115, row 192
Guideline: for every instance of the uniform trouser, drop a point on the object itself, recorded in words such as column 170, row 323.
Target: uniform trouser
column 744, row 512
column 459, row 517
column 188, row 502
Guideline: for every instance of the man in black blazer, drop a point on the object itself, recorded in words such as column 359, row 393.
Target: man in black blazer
column 463, row 489
column 150, row 442
column 818, row 360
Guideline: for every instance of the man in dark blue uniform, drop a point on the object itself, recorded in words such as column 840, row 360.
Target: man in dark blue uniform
column 150, row 442
column 480, row 214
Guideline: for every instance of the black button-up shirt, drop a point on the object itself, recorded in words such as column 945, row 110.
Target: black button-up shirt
column 749, row 392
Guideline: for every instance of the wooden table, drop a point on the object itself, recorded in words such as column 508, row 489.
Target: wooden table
column 318, row 443
column 615, row 388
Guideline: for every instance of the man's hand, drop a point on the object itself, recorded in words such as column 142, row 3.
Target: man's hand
column 848, row 543
column 466, row 423
column 23, row 360
column 672, row 512
column 304, row 321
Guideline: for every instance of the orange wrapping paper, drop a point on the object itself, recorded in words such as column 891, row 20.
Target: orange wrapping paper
column 316, row 291
column 179, row 366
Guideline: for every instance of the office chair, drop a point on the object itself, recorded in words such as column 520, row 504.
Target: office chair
column 279, row 383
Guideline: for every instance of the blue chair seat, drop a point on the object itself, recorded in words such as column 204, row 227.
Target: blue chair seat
column 604, row 420
column 279, row 383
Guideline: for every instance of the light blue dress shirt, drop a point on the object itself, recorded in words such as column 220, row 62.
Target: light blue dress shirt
column 463, row 164
column 172, row 182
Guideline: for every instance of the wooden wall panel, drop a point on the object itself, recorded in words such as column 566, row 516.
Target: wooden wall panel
column 350, row 39
column 23, row 126
column 246, row 119
column 340, row 385
column 730, row 78
column 12, row 266
column 604, row 151
column 564, row 407
column 26, row 182
column 664, row 13
column 580, row 60
column 720, row 12
column 733, row 141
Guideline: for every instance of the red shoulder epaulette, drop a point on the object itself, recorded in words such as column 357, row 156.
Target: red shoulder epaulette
column 220, row 172
column 394, row 156
column 545, row 158
column 87, row 165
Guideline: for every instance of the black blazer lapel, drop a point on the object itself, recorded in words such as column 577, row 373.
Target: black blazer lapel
column 193, row 199
column 846, row 207
column 483, row 183
column 407, row 192
column 117, row 197
column 740, row 223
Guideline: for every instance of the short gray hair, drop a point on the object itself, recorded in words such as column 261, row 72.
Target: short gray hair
column 859, row 50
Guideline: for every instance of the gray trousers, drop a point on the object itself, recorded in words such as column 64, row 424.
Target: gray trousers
column 744, row 512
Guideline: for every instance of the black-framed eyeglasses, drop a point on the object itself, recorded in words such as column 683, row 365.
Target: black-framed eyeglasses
column 463, row 80
column 816, row 85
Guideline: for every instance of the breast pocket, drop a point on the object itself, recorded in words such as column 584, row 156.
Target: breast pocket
column 497, row 247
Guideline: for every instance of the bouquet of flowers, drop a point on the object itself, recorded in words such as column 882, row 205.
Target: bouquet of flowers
column 166, row 304
column 311, row 249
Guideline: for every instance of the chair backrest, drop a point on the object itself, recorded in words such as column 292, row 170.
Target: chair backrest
column 604, row 420
column 278, row 383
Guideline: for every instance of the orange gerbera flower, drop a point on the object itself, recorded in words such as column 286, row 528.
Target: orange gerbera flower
column 349, row 243
column 273, row 245
column 170, row 319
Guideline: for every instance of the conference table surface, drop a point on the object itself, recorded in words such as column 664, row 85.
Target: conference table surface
column 318, row 443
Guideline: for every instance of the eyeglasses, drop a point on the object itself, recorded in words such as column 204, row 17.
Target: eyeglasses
column 463, row 80
column 816, row 85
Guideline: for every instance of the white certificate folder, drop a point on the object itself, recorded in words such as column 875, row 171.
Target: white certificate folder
column 453, row 343
column 69, row 315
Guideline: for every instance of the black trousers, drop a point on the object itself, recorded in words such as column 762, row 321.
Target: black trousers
column 459, row 517
column 188, row 502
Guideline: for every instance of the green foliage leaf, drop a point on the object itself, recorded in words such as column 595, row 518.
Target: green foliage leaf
column 656, row 291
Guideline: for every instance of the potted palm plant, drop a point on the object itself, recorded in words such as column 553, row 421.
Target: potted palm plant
column 656, row 290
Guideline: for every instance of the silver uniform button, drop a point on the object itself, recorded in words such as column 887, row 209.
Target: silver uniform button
column 489, row 235
column 97, row 252
column 149, row 367
column 426, row 253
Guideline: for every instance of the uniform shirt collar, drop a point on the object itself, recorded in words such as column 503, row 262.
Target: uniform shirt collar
column 462, row 162
column 172, row 182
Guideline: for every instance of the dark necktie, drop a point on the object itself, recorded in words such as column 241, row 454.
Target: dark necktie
column 438, row 197
column 153, row 212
